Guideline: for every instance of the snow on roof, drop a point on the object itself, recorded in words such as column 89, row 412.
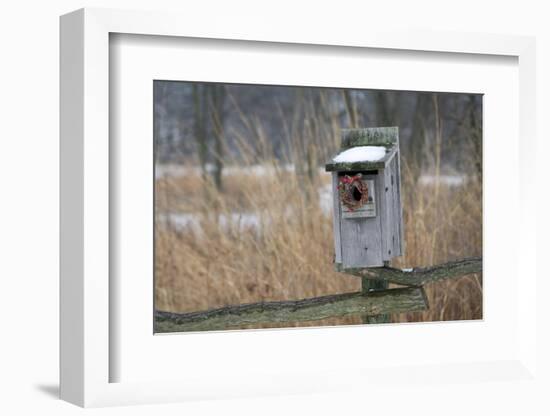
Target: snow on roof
column 361, row 154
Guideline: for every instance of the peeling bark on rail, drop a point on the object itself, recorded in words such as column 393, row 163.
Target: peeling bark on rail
column 312, row 309
column 420, row 275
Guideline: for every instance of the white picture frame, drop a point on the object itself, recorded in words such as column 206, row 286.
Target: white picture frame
column 86, row 329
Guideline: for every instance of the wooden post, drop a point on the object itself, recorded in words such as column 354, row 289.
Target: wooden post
column 369, row 285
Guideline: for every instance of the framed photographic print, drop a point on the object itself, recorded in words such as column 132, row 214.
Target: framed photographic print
column 247, row 215
column 253, row 230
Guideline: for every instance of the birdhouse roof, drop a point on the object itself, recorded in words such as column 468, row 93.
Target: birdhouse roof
column 365, row 149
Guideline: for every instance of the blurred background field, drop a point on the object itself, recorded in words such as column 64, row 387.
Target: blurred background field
column 243, row 205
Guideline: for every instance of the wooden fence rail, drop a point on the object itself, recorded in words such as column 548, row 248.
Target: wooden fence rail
column 405, row 299
column 421, row 275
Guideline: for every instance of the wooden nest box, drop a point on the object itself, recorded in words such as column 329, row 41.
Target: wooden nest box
column 366, row 186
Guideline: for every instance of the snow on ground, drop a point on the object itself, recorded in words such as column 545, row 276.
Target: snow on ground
column 253, row 220
column 184, row 220
column 325, row 199
column 240, row 220
column 256, row 170
column 361, row 154
column 449, row 180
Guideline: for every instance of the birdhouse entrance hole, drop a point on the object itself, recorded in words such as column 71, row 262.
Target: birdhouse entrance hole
column 357, row 194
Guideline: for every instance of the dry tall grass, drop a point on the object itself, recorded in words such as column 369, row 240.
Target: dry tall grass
column 266, row 237
column 287, row 253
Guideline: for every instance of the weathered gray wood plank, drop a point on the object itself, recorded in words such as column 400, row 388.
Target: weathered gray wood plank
column 399, row 242
column 361, row 237
column 336, row 219
column 393, row 229
column 386, row 214
column 421, row 275
column 312, row 309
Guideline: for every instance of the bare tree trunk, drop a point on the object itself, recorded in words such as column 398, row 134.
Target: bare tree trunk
column 438, row 140
column 383, row 112
column 418, row 137
column 351, row 109
column 473, row 134
column 218, row 94
column 199, row 99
